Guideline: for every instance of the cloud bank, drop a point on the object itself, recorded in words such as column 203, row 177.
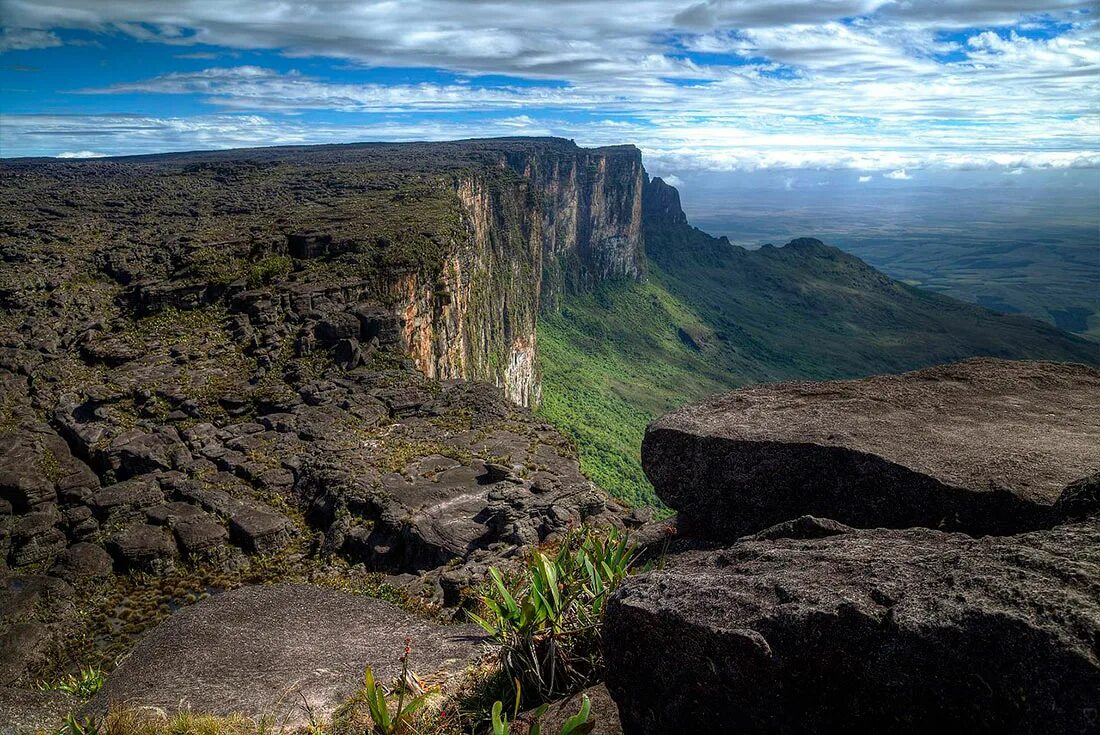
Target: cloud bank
column 872, row 85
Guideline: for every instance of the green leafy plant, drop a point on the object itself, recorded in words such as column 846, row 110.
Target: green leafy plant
column 75, row 726
column 549, row 630
column 402, row 718
column 83, row 684
column 578, row 724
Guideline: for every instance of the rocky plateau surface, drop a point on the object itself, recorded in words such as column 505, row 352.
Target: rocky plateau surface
column 304, row 365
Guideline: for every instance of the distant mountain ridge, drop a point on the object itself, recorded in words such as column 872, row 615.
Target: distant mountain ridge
column 714, row 316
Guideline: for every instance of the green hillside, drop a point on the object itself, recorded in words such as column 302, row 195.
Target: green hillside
column 713, row 316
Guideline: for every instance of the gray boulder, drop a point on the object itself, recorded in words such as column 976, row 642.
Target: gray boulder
column 981, row 446
column 29, row 712
column 277, row 650
column 900, row 631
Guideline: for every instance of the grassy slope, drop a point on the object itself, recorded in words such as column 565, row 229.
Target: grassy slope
column 613, row 360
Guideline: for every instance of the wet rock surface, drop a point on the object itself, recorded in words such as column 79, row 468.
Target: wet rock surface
column 882, row 630
column 981, row 446
column 282, row 651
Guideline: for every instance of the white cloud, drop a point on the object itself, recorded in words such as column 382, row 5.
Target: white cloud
column 898, row 175
column 863, row 84
column 80, row 154
column 22, row 39
column 864, row 179
column 1014, row 172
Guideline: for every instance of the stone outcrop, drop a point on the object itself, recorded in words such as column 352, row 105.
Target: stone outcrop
column 281, row 651
column 873, row 630
column 981, row 446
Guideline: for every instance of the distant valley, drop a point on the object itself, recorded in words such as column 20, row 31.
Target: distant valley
column 997, row 242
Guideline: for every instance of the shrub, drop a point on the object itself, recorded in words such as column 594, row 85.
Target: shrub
column 266, row 270
column 549, row 630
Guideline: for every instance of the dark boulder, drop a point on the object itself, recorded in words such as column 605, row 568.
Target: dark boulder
column 276, row 650
column 901, row 631
column 32, row 606
column 981, row 446
column 200, row 535
column 82, row 561
column 259, row 530
column 1080, row 499
column 801, row 527
column 143, row 547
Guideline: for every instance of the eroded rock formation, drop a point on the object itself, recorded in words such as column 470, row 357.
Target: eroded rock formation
column 226, row 368
column 886, row 630
column 982, row 446
column 811, row 625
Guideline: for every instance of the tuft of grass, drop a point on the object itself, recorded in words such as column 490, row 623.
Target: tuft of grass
column 83, row 684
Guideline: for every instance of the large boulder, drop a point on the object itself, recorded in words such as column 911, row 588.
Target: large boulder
column 981, row 446
column 900, row 631
column 281, row 651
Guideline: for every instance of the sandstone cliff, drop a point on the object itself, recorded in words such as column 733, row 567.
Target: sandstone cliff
column 544, row 219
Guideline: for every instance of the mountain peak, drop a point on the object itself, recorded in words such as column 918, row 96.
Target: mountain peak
column 661, row 203
column 806, row 243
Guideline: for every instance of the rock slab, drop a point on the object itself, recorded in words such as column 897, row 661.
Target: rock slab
column 273, row 650
column 981, row 446
column 901, row 631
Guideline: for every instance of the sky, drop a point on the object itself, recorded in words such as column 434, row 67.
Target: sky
column 886, row 91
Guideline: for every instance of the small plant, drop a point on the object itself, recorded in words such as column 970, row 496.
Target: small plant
column 82, row 684
column 75, row 726
column 403, row 716
column 578, row 724
column 549, row 631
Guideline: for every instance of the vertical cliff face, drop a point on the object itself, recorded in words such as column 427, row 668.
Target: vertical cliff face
column 543, row 219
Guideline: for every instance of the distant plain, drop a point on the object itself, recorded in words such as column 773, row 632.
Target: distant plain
column 1026, row 243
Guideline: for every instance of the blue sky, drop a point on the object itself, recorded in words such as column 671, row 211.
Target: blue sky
column 890, row 89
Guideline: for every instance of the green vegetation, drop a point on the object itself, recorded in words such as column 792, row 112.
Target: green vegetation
column 395, row 718
column 578, row 724
column 612, row 361
column 548, row 628
column 82, row 684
